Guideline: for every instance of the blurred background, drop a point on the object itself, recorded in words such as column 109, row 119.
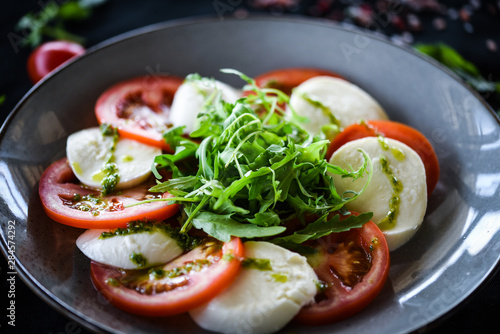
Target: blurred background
column 464, row 35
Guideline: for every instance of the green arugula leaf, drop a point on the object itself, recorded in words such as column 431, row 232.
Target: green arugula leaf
column 321, row 228
column 265, row 219
column 222, row 227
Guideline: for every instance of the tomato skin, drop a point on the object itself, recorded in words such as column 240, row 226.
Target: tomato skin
column 48, row 56
column 390, row 129
column 154, row 92
column 343, row 301
column 288, row 78
column 202, row 287
column 58, row 182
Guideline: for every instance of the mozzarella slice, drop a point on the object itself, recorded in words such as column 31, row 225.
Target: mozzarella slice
column 192, row 96
column 261, row 301
column 406, row 166
column 325, row 100
column 130, row 250
column 88, row 151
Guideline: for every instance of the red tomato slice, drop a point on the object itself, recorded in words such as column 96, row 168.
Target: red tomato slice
column 49, row 56
column 404, row 133
column 354, row 266
column 59, row 191
column 195, row 278
column 139, row 108
column 288, row 78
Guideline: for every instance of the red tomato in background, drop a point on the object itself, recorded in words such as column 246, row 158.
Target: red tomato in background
column 404, row 133
column 288, row 78
column 136, row 292
column 139, row 107
column 58, row 187
column 354, row 266
column 48, row 56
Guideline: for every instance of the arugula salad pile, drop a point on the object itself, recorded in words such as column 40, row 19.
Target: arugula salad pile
column 247, row 170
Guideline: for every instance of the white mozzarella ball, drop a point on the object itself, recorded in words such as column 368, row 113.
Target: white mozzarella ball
column 406, row 166
column 155, row 247
column 88, row 150
column 191, row 97
column 261, row 301
column 326, row 99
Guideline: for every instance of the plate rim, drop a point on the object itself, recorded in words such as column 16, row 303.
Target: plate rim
column 95, row 326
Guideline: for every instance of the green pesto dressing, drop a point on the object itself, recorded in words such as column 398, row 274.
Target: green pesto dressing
column 89, row 203
column 324, row 109
column 77, row 168
column 259, row 264
column 196, row 265
column 389, row 221
column 112, row 282
column 138, row 259
column 108, row 176
column 321, row 286
column 184, row 241
column 127, row 158
column 98, row 176
column 280, row 277
column 396, row 151
column 111, row 178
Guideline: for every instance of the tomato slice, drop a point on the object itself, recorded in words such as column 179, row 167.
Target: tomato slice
column 139, row 108
column 404, row 133
column 50, row 55
column 288, row 78
column 189, row 281
column 68, row 202
column 354, row 266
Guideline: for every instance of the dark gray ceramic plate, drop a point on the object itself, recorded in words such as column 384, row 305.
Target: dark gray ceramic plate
column 456, row 248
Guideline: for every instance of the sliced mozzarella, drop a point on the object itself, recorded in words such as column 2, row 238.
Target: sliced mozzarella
column 261, row 301
column 156, row 247
column 325, row 100
column 88, row 151
column 192, row 96
column 406, row 166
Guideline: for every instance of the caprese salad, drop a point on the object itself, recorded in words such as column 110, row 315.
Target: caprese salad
column 247, row 208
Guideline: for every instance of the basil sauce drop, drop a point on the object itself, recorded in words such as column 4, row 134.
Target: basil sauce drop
column 389, row 221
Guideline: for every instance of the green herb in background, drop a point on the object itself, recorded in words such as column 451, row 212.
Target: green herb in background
column 50, row 21
column 2, row 99
column 449, row 57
